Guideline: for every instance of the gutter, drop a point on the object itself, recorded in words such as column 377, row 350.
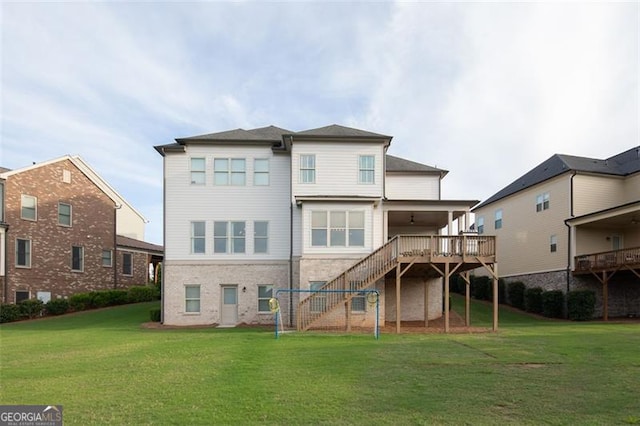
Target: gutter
column 572, row 215
column 5, row 290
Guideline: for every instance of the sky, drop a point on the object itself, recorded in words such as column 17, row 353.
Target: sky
column 486, row 91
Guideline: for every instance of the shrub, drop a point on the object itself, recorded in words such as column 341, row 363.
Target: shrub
column 31, row 308
column 81, row 302
column 143, row 294
column 533, row 300
column 154, row 314
column 515, row 291
column 553, row 304
column 57, row 306
column 581, row 304
column 117, row 297
column 502, row 291
column 481, row 288
column 9, row 313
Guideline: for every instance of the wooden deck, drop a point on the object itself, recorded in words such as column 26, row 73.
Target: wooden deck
column 608, row 261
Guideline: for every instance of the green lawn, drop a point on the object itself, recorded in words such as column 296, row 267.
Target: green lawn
column 105, row 369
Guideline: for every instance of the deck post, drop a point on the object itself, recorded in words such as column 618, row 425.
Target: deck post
column 467, row 300
column 446, row 297
column 495, row 297
column 398, row 311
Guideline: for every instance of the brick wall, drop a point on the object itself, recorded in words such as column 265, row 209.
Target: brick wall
column 51, row 244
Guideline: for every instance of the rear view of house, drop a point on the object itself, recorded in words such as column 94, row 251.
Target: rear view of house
column 252, row 213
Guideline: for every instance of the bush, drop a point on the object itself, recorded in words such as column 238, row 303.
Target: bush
column 502, row 291
column 154, row 314
column 533, row 300
column 553, row 304
column 81, row 302
column 57, row 306
column 117, row 297
column 481, row 288
column 31, row 308
column 143, row 294
column 515, row 291
column 9, row 313
column 581, row 304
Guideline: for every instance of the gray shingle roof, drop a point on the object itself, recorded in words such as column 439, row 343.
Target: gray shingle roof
column 267, row 134
column 397, row 164
column 335, row 130
column 621, row 164
column 123, row 241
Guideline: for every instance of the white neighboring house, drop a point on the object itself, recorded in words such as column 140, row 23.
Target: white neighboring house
column 248, row 212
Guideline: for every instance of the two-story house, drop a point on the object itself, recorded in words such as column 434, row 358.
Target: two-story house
column 65, row 230
column 571, row 223
column 251, row 212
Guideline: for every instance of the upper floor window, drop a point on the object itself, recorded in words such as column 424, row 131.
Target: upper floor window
column 498, row 219
column 308, row 168
column 198, row 238
column 64, row 214
column 127, row 264
column 228, row 237
column 198, row 171
column 265, row 293
column 29, row 207
column 367, row 169
column 260, row 237
column 337, row 229
column 77, row 258
column 23, row 253
column 229, row 171
column 480, row 224
column 553, row 243
column 261, row 171
column 542, row 202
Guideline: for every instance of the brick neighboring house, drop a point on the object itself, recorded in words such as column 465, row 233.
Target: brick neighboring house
column 61, row 224
column 572, row 223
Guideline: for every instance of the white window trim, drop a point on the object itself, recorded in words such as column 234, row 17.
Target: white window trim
column 81, row 259
column 498, row 219
column 70, row 215
column 553, row 243
column 259, row 237
column 361, row 169
column 480, row 223
column 229, row 249
column 347, row 229
column 199, row 237
column 303, row 169
column 199, row 299
column 543, row 202
column 230, row 172
column 110, row 265
column 262, row 173
column 268, row 311
column 35, row 207
column 28, row 265
column 202, row 172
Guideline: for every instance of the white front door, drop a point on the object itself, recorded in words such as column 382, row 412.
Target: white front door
column 229, row 312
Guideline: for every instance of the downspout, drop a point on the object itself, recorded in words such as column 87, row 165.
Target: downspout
column 291, row 207
column 5, row 296
column 116, row 207
column 163, row 268
column 571, row 213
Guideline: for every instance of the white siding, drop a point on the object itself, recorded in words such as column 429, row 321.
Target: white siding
column 337, row 169
column 412, row 187
column 129, row 223
column 186, row 203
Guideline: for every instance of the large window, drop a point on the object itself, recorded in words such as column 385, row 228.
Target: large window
column 265, row 293
column 498, row 219
column 553, row 243
column 29, row 207
column 367, row 169
column 319, row 300
column 127, row 264
column 64, row 214
column 198, row 238
column 260, row 237
column 229, row 171
column 192, row 298
column 77, row 258
column 337, row 228
column 542, row 202
column 198, row 171
column 107, row 258
column 261, row 171
column 308, row 168
column 229, row 237
column 23, row 253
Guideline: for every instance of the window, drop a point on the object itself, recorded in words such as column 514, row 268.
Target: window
column 319, row 301
column 498, row 221
column 127, row 264
column 64, row 214
column 229, row 171
column 192, row 298
column 22, row 295
column 66, row 176
column 553, row 244
column 43, row 296
column 1, row 202
column 228, row 237
column 107, row 258
column 358, row 302
column 77, row 258
column 265, row 293
column 308, row 168
column 542, row 202
column 198, row 171
column 260, row 237
column 343, row 229
column 29, row 207
column 261, row 171
column 367, row 169
column 480, row 222
column 198, row 238
column 23, row 253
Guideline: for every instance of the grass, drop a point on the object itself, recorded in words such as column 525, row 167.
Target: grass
column 104, row 368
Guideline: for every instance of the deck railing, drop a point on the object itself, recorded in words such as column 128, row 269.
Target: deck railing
column 607, row 260
column 377, row 264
